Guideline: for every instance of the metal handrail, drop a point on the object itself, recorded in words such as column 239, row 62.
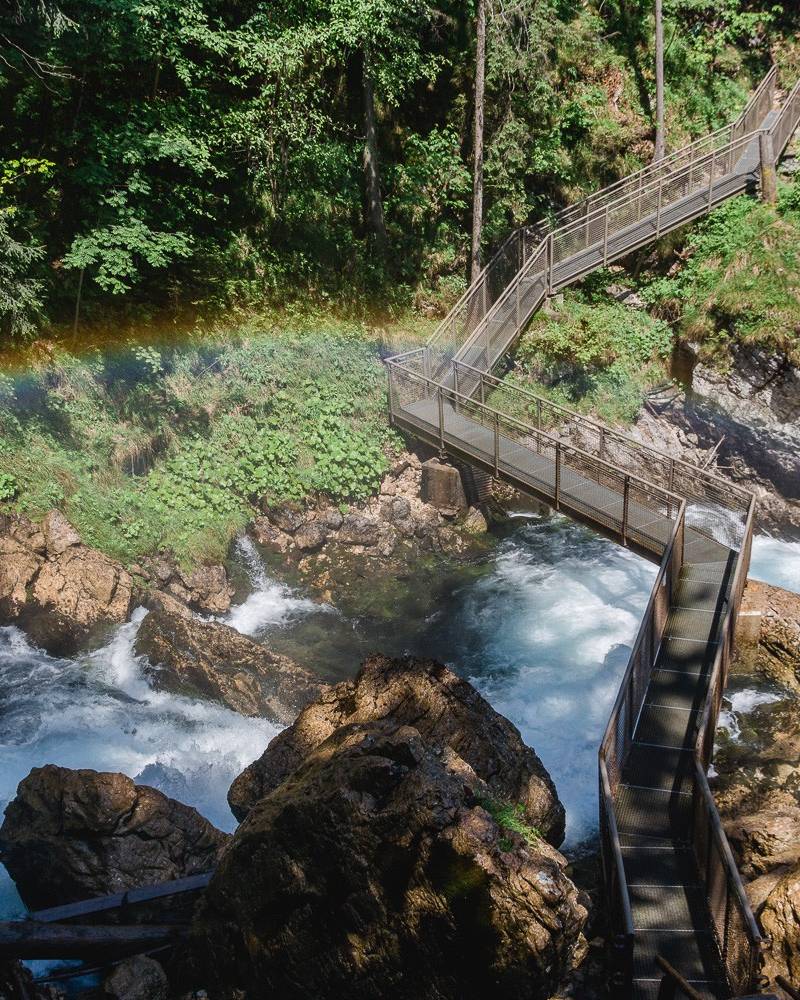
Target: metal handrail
column 527, row 428
column 601, row 428
column 545, row 226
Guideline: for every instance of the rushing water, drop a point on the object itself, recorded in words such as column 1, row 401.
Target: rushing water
column 542, row 627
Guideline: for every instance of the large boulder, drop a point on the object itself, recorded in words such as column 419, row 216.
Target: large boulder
column 54, row 586
column 448, row 713
column 780, row 921
column 214, row 661
column 765, row 832
column 383, row 867
column 70, row 835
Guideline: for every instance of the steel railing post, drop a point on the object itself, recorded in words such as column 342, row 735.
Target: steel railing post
column 711, row 176
column 496, row 445
column 441, row 419
column 538, row 426
column 557, row 496
column 483, row 390
column 602, row 442
column 519, row 320
column 455, row 386
column 605, row 238
column 625, row 504
column 658, row 209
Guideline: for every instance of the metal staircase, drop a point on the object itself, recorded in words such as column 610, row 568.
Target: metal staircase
column 673, row 891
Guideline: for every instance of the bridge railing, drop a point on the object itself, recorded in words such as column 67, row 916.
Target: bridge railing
column 738, row 937
column 787, row 120
column 563, row 475
column 617, row 743
column 719, row 507
column 517, row 248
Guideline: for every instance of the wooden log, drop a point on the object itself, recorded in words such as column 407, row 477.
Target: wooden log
column 31, row 939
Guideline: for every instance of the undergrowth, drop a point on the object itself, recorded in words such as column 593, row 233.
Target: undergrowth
column 175, row 447
column 511, row 816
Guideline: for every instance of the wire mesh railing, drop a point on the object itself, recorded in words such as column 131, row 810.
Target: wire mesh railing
column 787, row 120
column 738, row 937
column 563, row 475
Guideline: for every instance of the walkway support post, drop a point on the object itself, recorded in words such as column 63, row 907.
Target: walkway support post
column 625, row 505
column 496, row 445
column 769, row 177
column 557, row 497
column 441, row 421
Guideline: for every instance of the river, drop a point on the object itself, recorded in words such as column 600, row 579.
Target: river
column 542, row 627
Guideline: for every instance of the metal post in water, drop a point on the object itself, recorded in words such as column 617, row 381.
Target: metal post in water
column 625, row 503
column 557, row 497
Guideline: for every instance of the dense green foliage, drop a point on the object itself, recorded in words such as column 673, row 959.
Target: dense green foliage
column 740, row 283
column 146, row 448
column 595, row 354
column 160, row 155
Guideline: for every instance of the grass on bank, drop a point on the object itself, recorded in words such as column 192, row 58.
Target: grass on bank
column 147, row 447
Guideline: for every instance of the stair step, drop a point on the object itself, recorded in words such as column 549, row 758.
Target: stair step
column 658, row 812
column 693, row 954
column 677, row 689
column 649, row 990
column 659, row 865
column 666, row 727
column 653, row 767
column 683, row 623
column 668, row 908
column 697, row 594
column 688, row 655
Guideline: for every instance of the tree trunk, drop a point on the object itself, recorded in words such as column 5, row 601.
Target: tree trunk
column 372, row 175
column 477, row 181
column 660, row 143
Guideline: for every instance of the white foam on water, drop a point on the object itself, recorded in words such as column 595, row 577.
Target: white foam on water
column 98, row 711
column 270, row 603
column 775, row 561
column 550, row 629
column 741, row 703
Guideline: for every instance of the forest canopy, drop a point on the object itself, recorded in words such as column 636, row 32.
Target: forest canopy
column 197, row 154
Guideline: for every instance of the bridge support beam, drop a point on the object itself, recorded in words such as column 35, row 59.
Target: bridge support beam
column 769, row 177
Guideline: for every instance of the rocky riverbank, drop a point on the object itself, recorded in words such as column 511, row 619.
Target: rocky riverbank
column 745, row 422
column 758, row 763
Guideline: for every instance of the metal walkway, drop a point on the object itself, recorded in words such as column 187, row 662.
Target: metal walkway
column 672, row 887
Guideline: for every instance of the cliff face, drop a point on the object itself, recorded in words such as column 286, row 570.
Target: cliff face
column 753, row 413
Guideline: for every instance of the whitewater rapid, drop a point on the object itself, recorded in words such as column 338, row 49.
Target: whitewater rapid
column 543, row 631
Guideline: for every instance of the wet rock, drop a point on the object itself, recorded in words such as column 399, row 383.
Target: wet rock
column 767, row 835
column 266, row 534
column 137, row 978
column 287, row 517
column 214, row 661
column 310, row 537
column 475, row 522
column 55, row 587
column 358, row 530
column 69, row 835
column 753, row 409
column 377, row 870
column 448, row 713
column 441, row 486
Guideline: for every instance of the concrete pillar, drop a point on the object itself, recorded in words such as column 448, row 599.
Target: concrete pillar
column 441, row 486
column 769, row 178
